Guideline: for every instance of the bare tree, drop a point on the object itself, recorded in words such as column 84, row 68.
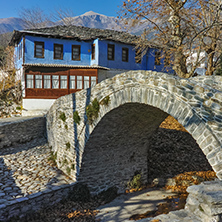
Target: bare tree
column 179, row 28
column 209, row 32
column 63, row 16
column 7, row 66
column 34, row 18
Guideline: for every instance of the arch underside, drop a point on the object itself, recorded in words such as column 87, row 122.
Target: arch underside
column 128, row 140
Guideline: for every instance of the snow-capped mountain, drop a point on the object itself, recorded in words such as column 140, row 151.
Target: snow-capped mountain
column 9, row 24
column 89, row 19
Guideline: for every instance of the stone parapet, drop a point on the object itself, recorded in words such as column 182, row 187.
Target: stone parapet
column 21, row 206
column 19, row 130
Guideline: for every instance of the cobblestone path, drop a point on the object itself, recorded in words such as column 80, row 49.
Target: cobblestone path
column 25, row 169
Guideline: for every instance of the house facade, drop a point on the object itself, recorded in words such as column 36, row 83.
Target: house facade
column 55, row 61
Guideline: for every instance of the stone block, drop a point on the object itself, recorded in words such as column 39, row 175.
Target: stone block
column 213, row 161
column 199, row 131
column 219, row 175
column 213, row 153
column 192, row 124
column 198, row 89
column 217, row 167
column 191, row 200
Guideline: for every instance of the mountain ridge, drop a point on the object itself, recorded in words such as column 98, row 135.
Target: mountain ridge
column 88, row 19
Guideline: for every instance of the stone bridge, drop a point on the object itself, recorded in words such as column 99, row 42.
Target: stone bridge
column 140, row 101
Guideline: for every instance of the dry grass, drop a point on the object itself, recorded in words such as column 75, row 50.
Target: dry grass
column 171, row 123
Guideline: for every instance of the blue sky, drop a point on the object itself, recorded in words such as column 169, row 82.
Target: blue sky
column 10, row 8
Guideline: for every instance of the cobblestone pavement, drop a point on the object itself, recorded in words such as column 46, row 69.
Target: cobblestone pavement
column 25, row 169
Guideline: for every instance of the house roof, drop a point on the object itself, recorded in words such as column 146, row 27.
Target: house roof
column 64, row 66
column 78, row 33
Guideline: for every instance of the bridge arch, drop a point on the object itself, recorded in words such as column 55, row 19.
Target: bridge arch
column 193, row 102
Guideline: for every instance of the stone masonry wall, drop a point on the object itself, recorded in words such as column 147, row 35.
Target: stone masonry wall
column 21, row 130
column 195, row 103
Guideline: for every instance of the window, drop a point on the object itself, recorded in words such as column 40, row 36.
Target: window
column 58, row 51
column 39, row 50
column 72, row 82
column 79, row 82
column 47, row 81
column 157, row 58
column 63, row 82
column 29, row 81
column 111, row 52
column 38, row 81
column 125, row 54
column 76, row 52
column 86, row 82
column 93, row 81
column 138, row 56
column 93, row 51
column 55, row 81
column 20, row 51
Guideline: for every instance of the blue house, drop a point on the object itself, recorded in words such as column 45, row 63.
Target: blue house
column 59, row 60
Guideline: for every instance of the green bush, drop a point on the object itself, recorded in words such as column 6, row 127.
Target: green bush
column 65, row 162
column 68, row 145
column 92, row 111
column 76, row 117
column 19, row 108
column 68, row 170
column 136, row 182
column 73, row 166
column 62, row 116
column 105, row 101
column 53, row 157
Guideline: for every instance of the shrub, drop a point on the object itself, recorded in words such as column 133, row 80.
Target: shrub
column 92, row 111
column 108, row 195
column 19, row 108
column 53, row 157
column 76, row 117
column 68, row 170
column 80, row 192
column 62, row 116
column 73, row 166
column 105, row 101
column 65, row 162
column 68, row 145
column 136, row 182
